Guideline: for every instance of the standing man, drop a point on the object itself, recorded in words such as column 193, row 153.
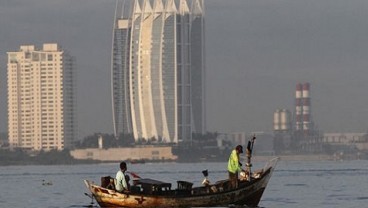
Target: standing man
column 234, row 166
column 121, row 182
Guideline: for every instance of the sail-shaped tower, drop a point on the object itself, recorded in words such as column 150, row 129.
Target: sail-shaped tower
column 158, row 70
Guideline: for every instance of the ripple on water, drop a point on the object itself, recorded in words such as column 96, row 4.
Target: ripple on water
column 296, row 184
column 279, row 200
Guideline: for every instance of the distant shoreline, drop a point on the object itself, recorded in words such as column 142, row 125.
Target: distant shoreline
column 294, row 157
column 311, row 157
column 255, row 158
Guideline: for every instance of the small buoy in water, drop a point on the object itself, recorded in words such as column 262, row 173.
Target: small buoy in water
column 45, row 183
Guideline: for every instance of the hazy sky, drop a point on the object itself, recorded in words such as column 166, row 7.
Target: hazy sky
column 257, row 51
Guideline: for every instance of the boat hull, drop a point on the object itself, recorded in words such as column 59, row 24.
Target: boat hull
column 248, row 193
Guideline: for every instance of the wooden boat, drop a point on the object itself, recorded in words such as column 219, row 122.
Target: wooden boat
column 153, row 193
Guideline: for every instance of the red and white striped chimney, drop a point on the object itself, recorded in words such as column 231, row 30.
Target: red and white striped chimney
column 306, row 108
column 299, row 107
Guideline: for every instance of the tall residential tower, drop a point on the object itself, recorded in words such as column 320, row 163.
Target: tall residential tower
column 41, row 100
column 158, row 70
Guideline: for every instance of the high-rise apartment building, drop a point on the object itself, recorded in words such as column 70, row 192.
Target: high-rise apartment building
column 41, row 102
column 158, row 70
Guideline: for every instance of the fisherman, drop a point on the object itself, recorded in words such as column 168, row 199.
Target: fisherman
column 234, row 166
column 121, row 183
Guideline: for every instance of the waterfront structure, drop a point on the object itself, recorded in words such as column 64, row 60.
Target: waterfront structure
column 145, row 153
column 41, row 100
column 158, row 70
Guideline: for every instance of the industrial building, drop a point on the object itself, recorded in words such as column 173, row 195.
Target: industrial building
column 296, row 132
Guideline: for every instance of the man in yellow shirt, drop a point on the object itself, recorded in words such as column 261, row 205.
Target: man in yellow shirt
column 234, row 166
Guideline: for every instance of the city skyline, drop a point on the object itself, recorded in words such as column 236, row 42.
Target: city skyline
column 256, row 52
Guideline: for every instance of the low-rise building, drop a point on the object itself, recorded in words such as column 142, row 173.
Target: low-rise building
column 149, row 152
column 343, row 138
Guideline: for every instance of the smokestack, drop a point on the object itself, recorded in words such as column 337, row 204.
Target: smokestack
column 303, row 115
column 299, row 107
column 306, row 109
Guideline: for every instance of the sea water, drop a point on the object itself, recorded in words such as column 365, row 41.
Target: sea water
column 301, row 184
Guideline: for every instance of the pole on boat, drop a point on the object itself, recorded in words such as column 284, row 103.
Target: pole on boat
column 90, row 196
column 249, row 156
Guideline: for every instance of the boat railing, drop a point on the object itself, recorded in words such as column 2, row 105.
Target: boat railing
column 151, row 186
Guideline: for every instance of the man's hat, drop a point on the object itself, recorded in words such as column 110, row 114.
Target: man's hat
column 239, row 148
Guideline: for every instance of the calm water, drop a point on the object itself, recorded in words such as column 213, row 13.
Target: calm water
column 294, row 184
